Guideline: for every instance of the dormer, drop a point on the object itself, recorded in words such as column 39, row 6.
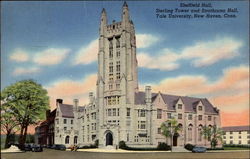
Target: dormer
column 179, row 105
column 200, row 109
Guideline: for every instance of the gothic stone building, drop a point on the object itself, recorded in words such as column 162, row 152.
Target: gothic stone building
column 120, row 111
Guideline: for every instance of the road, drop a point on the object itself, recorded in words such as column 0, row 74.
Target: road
column 55, row 154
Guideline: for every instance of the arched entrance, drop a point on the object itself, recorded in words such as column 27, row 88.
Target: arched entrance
column 109, row 139
column 175, row 139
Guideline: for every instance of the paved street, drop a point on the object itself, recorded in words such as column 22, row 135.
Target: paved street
column 54, row 154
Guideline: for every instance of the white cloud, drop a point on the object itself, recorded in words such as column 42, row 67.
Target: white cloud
column 19, row 55
column 87, row 54
column 145, row 40
column 24, row 71
column 208, row 53
column 200, row 54
column 51, row 56
column 166, row 61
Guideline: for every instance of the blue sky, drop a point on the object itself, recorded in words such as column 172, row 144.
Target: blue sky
column 55, row 43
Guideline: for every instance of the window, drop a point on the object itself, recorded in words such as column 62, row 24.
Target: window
column 231, row 132
column 141, row 113
column 110, row 86
column 110, row 53
column 118, row 98
column 57, row 121
column 179, row 116
column 231, row 137
column 239, row 137
column 239, row 132
column 143, row 125
column 71, row 121
column 248, row 142
column 118, row 66
column 67, row 140
column 111, row 77
column 224, row 137
column 127, row 136
column 199, row 133
column 190, row 132
column 159, row 131
column 117, row 42
column 200, row 117
column 209, row 118
column 64, row 121
column 109, row 112
column 57, row 129
column 118, row 53
column 111, row 43
column 248, row 136
column 111, row 67
column 71, row 128
column 128, row 111
column 83, row 119
column 159, row 113
column 65, row 128
column 239, row 142
column 118, row 75
column 200, row 108
column 117, row 86
column 169, row 115
column 231, row 142
column 179, row 106
column 114, row 112
column 109, row 100
column 190, row 116
column 118, row 112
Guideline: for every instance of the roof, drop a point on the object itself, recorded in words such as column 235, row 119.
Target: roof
column 236, row 128
column 170, row 100
column 67, row 110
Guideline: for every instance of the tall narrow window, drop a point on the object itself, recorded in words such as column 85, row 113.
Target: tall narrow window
column 117, row 42
column 159, row 113
column 199, row 133
column 111, row 67
column 128, row 111
column 190, row 130
column 67, row 140
column 118, row 66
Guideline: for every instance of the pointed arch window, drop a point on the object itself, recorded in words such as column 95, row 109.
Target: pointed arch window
column 67, row 140
column 199, row 133
column 190, row 132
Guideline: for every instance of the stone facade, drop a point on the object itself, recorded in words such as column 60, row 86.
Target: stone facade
column 238, row 135
column 120, row 111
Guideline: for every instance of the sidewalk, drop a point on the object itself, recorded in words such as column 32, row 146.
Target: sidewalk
column 115, row 151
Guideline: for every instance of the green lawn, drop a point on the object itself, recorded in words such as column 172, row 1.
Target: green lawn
column 236, row 148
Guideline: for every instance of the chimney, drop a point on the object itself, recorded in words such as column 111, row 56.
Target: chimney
column 76, row 103
column 47, row 113
column 91, row 97
column 148, row 95
column 59, row 101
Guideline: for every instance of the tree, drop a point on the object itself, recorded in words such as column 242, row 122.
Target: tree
column 9, row 125
column 212, row 134
column 28, row 102
column 169, row 128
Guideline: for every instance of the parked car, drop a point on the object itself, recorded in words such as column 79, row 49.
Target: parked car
column 37, row 148
column 59, row 147
column 199, row 149
column 28, row 147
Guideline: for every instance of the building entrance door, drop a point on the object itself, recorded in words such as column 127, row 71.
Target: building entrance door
column 175, row 137
column 109, row 139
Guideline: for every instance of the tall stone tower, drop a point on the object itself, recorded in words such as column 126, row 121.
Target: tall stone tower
column 117, row 77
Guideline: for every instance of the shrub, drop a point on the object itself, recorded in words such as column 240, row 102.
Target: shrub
column 163, row 146
column 122, row 145
column 189, row 147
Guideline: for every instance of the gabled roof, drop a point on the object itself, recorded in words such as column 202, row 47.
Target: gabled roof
column 140, row 98
column 236, row 128
column 67, row 110
column 171, row 100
